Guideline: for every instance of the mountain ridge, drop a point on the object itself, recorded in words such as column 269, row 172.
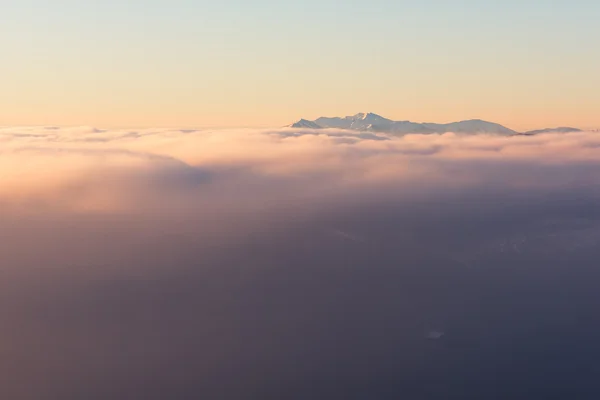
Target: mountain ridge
column 368, row 121
column 561, row 129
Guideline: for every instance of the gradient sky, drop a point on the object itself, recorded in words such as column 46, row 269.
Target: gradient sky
column 525, row 64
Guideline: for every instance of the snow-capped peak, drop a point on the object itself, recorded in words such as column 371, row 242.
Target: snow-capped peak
column 366, row 116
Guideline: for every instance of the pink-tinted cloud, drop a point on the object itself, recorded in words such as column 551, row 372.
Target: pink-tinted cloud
column 242, row 263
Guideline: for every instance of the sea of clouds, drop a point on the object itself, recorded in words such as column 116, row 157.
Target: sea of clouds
column 83, row 169
column 273, row 263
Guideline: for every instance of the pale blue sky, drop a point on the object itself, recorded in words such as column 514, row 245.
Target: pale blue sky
column 526, row 63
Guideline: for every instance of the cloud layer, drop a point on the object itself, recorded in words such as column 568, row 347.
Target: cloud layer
column 107, row 170
column 284, row 263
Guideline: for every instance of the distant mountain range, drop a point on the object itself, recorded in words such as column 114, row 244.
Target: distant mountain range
column 376, row 123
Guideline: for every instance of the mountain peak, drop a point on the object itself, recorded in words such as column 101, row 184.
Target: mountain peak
column 304, row 123
column 362, row 115
column 367, row 115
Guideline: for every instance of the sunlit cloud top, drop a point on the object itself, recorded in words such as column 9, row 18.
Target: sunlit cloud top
column 104, row 169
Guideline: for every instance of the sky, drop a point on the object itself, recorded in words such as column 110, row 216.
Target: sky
column 526, row 64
